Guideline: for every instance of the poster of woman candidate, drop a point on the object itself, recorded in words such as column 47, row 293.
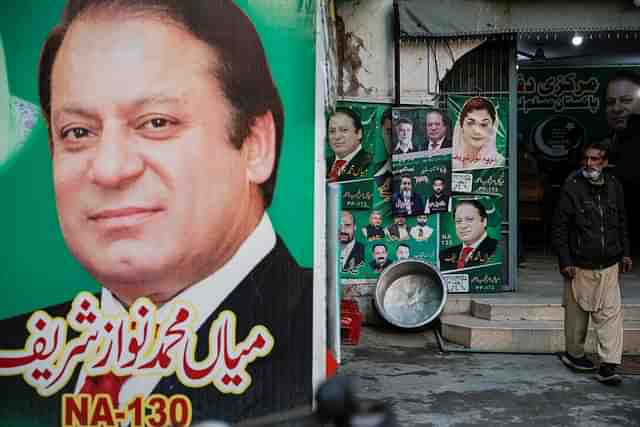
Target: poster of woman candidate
column 479, row 143
column 469, row 254
column 421, row 162
column 358, row 142
column 151, row 264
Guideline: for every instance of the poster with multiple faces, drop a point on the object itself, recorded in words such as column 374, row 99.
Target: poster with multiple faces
column 427, row 212
column 152, row 271
column 421, row 162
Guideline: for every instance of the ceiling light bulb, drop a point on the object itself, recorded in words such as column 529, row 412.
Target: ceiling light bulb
column 577, row 40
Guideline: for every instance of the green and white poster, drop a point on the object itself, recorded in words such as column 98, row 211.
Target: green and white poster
column 153, row 272
column 560, row 108
column 480, row 134
column 421, row 162
column 469, row 253
column 358, row 141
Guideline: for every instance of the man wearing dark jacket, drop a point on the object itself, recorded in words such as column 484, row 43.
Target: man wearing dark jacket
column 590, row 237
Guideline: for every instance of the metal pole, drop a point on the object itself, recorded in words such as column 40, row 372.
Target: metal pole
column 396, row 53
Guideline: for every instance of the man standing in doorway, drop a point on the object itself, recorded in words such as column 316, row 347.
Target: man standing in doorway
column 590, row 237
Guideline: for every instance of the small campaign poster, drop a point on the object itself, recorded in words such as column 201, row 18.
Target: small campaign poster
column 470, row 254
column 421, row 162
column 480, row 134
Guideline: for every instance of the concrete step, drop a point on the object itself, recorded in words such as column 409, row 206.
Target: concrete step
column 521, row 335
column 502, row 309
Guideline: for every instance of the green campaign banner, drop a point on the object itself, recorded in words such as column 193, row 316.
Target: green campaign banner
column 150, row 262
column 480, row 136
column 421, row 162
column 470, row 253
column 358, row 141
column 370, row 236
column 371, row 240
column 561, row 108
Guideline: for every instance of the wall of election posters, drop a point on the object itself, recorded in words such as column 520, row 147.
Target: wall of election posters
column 433, row 190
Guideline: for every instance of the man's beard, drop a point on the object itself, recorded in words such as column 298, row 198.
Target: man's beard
column 422, row 223
column 347, row 238
column 406, row 194
column 592, row 174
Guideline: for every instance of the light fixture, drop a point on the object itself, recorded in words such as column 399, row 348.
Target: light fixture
column 577, row 40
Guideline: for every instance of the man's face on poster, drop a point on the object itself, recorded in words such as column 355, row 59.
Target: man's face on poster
column 380, row 255
column 399, row 220
column 148, row 186
column 623, row 99
column 422, row 220
column 470, row 226
column 347, row 228
column 436, row 128
column 402, row 252
column 375, row 219
column 405, row 133
column 438, row 186
column 344, row 138
column 405, row 185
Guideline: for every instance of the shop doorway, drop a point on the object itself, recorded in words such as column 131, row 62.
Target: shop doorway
column 562, row 103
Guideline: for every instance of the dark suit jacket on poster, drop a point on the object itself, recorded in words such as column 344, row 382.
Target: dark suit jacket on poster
column 277, row 293
column 378, row 269
column 446, row 143
column 449, row 256
column 398, row 205
column 357, row 168
column 437, row 204
column 355, row 258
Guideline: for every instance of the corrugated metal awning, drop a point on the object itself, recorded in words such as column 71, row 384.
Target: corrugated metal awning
column 422, row 19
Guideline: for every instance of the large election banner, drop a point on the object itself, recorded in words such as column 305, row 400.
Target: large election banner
column 152, row 271
column 560, row 109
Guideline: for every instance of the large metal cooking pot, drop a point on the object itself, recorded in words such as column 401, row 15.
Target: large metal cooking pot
column 410, row 294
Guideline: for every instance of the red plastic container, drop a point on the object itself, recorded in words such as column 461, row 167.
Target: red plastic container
column 350, row 322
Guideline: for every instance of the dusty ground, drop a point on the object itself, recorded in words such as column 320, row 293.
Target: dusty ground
column 426, row 387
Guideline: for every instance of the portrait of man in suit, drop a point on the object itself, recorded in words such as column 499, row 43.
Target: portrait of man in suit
column 165, row 127
column 406, row 201
column 348, row 159
column 470, row 217
column 440, row 199
column 404, row 135
column 437, row 131
column 623, row 120
column 351, row 251
column 380, row 257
